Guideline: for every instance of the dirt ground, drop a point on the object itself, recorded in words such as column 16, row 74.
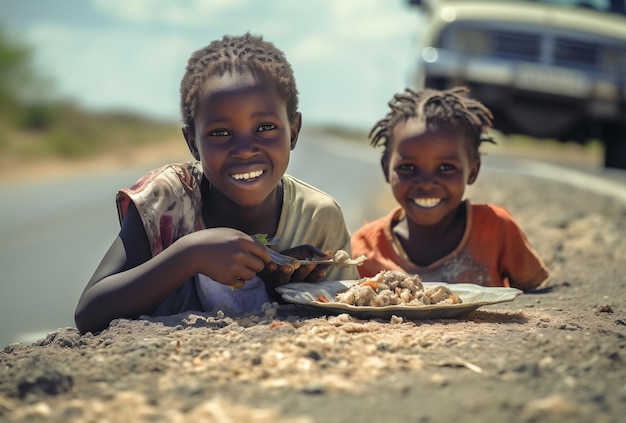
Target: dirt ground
column 554, row 355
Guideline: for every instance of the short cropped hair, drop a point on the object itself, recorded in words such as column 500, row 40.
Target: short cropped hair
column 246, row 53
column 449, row 110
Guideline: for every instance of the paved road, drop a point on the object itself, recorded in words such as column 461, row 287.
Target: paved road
column 54, row 233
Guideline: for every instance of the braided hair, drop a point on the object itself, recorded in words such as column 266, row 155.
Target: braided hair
column 438, row 110
column 246, row 53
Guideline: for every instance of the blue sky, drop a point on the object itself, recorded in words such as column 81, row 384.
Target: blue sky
column 349, row 56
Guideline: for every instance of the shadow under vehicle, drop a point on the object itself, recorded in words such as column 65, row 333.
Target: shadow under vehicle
column 546, row 68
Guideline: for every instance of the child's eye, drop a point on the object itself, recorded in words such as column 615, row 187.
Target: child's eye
column 219, row 133
column 446, row 167
column 406, row 168
column 266, row 127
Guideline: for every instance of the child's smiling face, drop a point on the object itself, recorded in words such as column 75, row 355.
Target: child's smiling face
column 243, row 136
column 428, row 171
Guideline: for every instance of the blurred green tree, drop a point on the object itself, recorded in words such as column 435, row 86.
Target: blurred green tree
column 24, row 95
column 36, row 123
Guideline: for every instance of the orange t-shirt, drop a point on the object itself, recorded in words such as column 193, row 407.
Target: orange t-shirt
column 493, row 251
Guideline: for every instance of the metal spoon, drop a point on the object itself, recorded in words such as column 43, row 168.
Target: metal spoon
column 282, row 259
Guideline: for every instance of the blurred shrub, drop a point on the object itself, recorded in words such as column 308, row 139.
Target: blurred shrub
column 33, row 124
column 22, row 91
column 38, row 116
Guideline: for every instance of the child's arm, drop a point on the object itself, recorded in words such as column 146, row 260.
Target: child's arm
column 129, row 282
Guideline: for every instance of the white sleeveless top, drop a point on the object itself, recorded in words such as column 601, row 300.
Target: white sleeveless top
column 215, row 296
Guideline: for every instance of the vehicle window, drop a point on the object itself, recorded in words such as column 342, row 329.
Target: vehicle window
column 615, row 6
column 604, row 5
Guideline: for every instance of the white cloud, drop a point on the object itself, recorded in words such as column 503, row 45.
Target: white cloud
column 194, row 14
column 312, row 49
column 189, row 12
column 370, row 19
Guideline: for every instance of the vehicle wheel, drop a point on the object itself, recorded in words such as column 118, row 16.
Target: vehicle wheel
column 614, row 138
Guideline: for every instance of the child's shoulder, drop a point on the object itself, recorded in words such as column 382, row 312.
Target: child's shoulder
column 170, row 180
column 300, row 189
column 188, row 173
column 303, row 199
column 177, row 183
column 491, row 212
column 303, row 202
column 380, row 226
column 185, row 171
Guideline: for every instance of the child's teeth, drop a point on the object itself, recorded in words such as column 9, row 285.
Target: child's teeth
column 248, row 175
column 427, row 202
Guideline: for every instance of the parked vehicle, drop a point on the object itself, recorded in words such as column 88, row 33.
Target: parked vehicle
column 546, row 68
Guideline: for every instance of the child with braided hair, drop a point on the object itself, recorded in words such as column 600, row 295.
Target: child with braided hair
column 431, row 143
column 187, row 238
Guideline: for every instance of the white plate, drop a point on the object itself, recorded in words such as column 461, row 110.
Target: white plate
column 473, row 296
